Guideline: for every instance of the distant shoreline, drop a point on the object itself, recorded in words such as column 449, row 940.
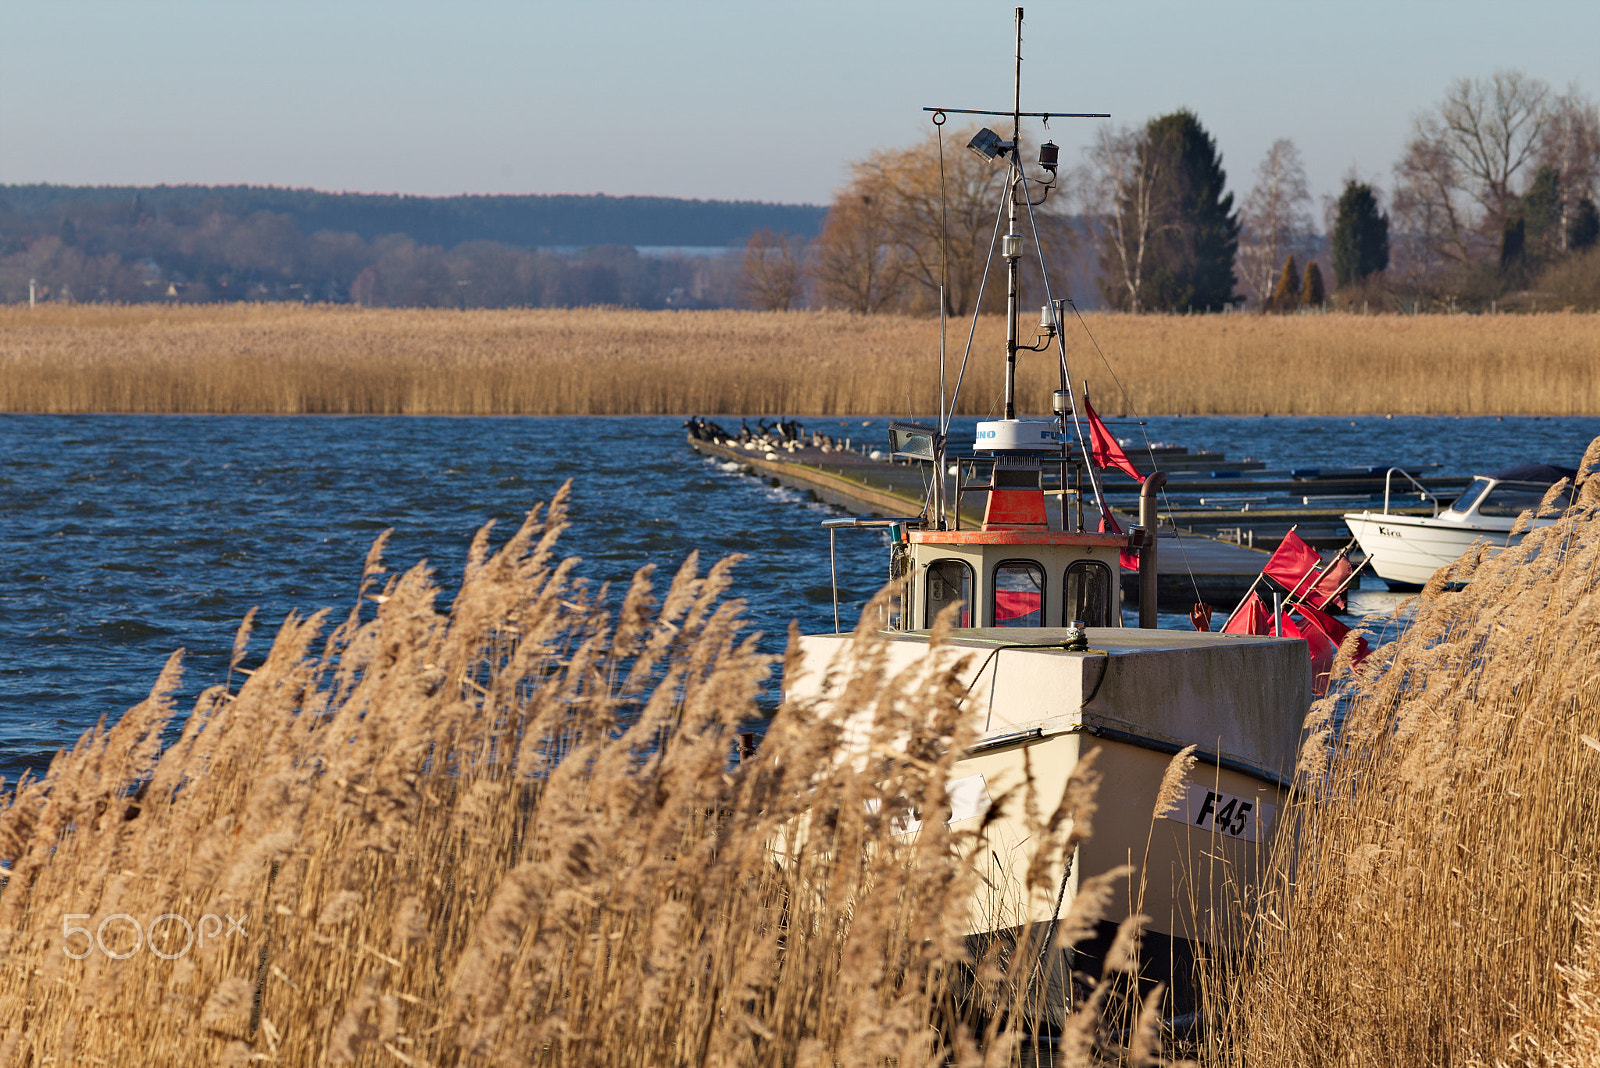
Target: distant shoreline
column 289, row 359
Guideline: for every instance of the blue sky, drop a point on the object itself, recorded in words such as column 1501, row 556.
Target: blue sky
column 759, row 100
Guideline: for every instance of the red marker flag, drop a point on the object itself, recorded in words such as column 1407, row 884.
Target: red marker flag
column 1332, row 629
column 1334, row 575
column 1108, row 522
column 1104, row 447
column 1292, row 562
column 1251, row 617
column 1321, row 648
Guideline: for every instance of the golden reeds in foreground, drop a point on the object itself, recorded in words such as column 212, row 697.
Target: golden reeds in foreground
column 514, row 834
column 291, row 359
column 1441, row 909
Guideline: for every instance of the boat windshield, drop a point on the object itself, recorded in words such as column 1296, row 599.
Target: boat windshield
column 1470, row 496
column 1514, row 498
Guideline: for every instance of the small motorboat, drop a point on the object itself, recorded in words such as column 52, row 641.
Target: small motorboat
column 1406, row 550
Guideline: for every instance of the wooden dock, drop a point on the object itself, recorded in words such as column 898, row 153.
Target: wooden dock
column 1190, row 566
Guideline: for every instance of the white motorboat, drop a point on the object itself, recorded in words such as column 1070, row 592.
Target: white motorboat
column 1405, row 551
column 1054, row 674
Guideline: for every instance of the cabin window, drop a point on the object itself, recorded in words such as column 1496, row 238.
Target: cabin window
column 1511, row 499
column 949, row 582
column 1469, row 496
column 1018, row 596
column 1087, row 594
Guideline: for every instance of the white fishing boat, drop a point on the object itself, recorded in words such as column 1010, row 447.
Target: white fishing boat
column 1052, row 671
column 1405, row 551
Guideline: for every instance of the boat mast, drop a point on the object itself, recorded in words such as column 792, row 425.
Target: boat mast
column 1011, row 245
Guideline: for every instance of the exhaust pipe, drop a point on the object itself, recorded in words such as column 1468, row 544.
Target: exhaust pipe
column 1148, row 520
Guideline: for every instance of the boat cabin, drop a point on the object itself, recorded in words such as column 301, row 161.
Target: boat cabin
column 1026, row 564
column 1495, row 501
column 1005, row 578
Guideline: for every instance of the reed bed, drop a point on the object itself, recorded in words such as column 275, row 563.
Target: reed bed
column 1441, row 906
column 292, row 359
column 519, row 833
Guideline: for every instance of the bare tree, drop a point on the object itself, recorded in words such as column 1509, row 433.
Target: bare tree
column 1492, row 130
column 1431, row 225
column 1276, row 219
column 1571, row 146
column 856, row 260
column 774, row 271
column 1467, row 155
column 931, row 215
column 1119, row 196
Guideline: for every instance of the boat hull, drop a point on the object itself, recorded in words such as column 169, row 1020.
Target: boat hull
column 1132, row 700
column 1138, row 697
column 1405, row 551
column 1189, row 865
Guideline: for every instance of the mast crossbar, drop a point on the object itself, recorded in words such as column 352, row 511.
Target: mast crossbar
column 1027, row 114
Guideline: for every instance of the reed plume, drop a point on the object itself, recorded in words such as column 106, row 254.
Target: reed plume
column 1437, row 908
column 520, row 831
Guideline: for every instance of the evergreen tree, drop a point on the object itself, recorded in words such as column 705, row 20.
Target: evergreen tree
column 1513, row 242
column 1540, row 208
column 1197, row 233
column 1286, row 294
column 1360, row 235
column 1313, row 294
column 1584, row 228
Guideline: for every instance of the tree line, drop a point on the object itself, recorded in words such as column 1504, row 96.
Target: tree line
column 1492, row 205
column 191, row 243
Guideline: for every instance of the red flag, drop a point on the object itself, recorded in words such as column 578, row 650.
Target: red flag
column 1322, row 594
column 1015, row 604
column 1104, row 447
column 1128, row 560
column 1332, row 629
column 1322, row 651
column 1251, row 617
column 1292, row 563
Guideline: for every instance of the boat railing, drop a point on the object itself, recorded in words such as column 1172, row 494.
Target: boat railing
column 1422, row 490
column 1063, row 490
column 833, row 526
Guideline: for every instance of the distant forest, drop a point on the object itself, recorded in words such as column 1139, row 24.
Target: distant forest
column 220, row 243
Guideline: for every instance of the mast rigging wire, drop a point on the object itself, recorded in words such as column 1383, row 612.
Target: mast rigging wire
column 977, row 305
column 944, row 262
column 1061, row 347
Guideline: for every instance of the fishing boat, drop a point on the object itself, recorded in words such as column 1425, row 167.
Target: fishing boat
column 1051, row 670
column 1405, row 550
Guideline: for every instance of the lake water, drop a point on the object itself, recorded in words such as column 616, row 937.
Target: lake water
column 123, row 538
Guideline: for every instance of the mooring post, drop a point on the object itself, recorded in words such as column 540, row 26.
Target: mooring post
column 1147, row 552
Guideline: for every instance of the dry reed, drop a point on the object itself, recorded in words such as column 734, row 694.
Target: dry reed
column 290, row 359
column 513, row 834
column 1441, row 907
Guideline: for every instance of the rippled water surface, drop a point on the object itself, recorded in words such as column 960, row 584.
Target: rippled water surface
column 124, row 538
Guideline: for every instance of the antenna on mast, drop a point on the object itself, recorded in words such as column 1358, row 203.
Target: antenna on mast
column 1010, row 435
column 990, row 146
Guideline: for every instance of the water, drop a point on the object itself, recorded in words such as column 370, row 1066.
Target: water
column 123, row 538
